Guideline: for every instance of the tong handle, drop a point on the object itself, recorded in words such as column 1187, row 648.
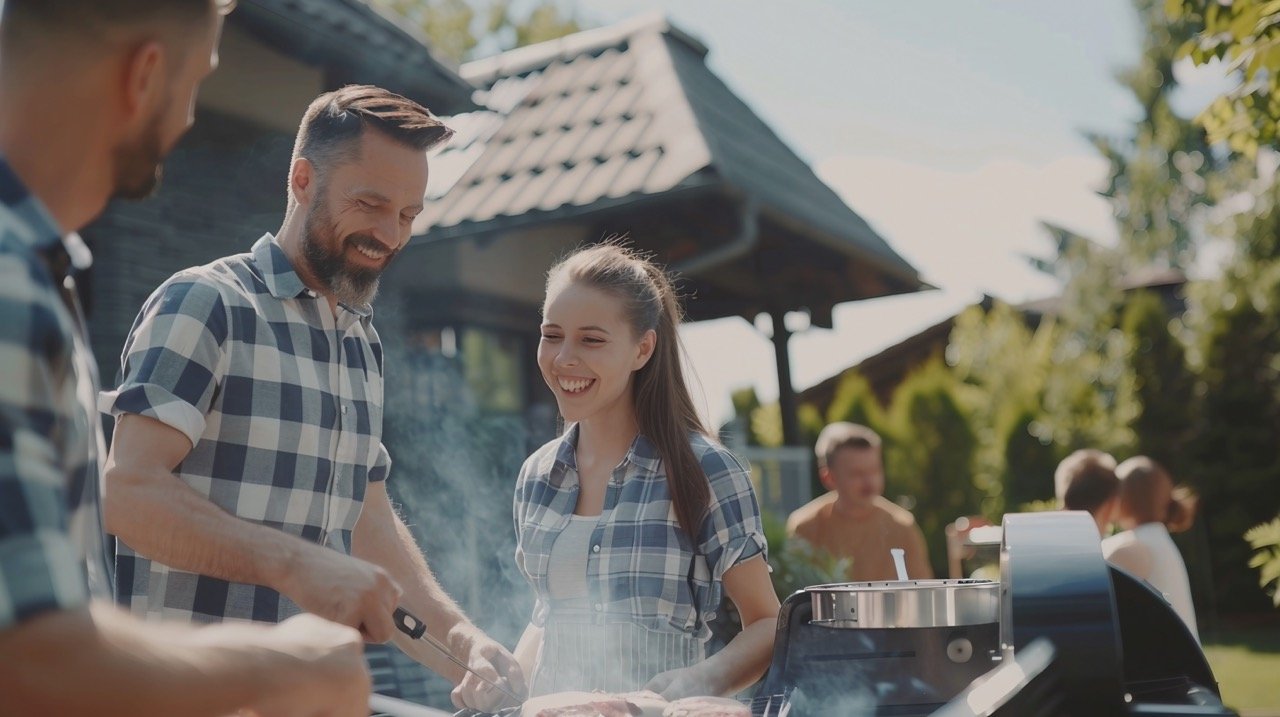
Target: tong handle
column 408, row 623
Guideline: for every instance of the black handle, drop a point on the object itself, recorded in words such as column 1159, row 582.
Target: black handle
column 409, row 624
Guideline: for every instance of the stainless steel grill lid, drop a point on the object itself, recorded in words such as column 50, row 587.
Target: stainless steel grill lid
column 905, row 603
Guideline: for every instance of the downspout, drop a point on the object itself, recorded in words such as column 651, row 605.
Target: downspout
column 741, row 243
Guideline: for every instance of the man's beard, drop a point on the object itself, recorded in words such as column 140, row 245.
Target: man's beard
column 350, row 285
column 139, row 163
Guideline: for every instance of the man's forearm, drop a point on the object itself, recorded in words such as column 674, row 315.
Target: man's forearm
column 383, row 539
column 100, row 661
column 162, row 518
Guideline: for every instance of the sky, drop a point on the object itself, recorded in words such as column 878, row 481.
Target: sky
column 953, row 126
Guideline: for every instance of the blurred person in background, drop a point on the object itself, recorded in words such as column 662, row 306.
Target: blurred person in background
column 1086, row 480
column 853, row 519
column 632, row 525
column 1150, row 508
column 93, row 95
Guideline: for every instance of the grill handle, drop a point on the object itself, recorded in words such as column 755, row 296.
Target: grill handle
column 409, row 624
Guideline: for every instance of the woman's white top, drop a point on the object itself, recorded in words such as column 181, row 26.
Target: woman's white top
column 1148, row 552
column 567, row 567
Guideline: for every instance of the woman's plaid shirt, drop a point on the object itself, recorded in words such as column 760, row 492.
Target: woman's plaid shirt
column 639, row 565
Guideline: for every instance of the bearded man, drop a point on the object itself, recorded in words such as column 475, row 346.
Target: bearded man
column 246, row 479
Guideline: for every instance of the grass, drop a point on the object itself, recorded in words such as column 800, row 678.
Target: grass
column 1247, row 665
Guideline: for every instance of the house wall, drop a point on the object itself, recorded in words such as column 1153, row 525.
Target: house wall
column 258, row 84
column 515, row 266
column 223, row 188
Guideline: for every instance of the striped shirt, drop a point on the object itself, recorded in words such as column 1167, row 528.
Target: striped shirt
column 650, row 588
column 49, row 435
column 282, row 403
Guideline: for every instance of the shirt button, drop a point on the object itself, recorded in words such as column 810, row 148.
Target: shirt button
column 344, row 410
column 595, row 548
column 599, row 607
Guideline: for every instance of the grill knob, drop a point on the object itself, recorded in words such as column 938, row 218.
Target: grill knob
column 959, row 650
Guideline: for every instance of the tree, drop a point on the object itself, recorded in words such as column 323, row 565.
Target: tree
column 929, row 453
column 462, row 29
column 1246, row 35
column 1162, row 387
column 855, row 402
column 1004, row 365
column 1164, row 175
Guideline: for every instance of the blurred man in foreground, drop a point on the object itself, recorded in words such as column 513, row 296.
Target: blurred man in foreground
column 93, row 94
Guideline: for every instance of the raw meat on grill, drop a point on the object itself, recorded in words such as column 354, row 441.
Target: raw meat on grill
column 706, row 707
column 578, row 704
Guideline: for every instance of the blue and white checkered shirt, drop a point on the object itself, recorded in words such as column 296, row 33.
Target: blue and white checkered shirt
column 282, row 403
column 49, row 433
column 639, row 565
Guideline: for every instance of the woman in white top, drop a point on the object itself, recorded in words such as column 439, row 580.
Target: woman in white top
column 1151, row 508
column 633, row 524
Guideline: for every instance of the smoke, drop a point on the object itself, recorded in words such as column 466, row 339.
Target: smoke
column 453, row 475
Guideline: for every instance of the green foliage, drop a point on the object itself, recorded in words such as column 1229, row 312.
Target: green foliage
column 458, row 29
column 1234, row 453
column 1164, row 174
column 1265, row 541
column 929, row 452
column 1029, row 460
column 1004, row 367
column 1245, row 34
column 796, row 564
column 1161, row 385
column 766, row 425
column 855, row 402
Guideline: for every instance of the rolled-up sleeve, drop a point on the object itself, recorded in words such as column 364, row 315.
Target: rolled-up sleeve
column 173, row 357
column 39, row 568
column 732, row 531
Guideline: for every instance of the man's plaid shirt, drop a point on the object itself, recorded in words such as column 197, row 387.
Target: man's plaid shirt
column 48, row 429
column 282, row 403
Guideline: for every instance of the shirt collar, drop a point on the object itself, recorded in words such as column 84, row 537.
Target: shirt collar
column 37, row 229
column 642, row 454
column 282, row 279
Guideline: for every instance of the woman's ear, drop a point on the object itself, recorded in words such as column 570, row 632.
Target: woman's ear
column 644, row 349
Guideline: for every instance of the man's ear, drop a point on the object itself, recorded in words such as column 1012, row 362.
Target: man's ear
column 144, row 82
column 644, row 350
column 302, row 180
column 824, row 476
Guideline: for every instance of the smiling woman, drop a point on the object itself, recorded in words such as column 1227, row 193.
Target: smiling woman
column 633, row 524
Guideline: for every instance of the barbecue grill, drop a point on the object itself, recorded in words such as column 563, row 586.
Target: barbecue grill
column 1061, row 633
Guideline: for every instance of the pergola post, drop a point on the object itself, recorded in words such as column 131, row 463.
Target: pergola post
column 786, row 392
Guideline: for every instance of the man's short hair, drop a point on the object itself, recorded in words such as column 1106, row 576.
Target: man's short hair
column 1086, row 480
column 332, row 126
column 843, row 435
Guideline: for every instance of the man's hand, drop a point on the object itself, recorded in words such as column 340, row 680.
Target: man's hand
column 496, row 664
column 344, row 589
column 321, row 669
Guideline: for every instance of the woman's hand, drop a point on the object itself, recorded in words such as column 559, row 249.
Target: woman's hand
column 683, row 682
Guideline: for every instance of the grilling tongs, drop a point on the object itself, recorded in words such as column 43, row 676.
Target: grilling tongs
column 416, row 629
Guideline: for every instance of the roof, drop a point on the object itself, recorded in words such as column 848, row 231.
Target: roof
column 357, row 43
column 620, row 115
